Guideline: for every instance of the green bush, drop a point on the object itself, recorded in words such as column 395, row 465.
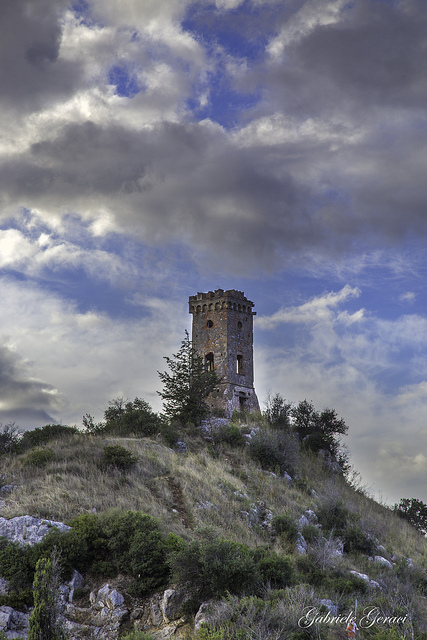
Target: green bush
column 39, row 457
column 42, row 435
column 275, row 570
column 127, row 542
column 229, row 434
column 309, row 572
column 124, row 418
column 116, row 456
column 16, row 564
column 19, row 600
column 284, row 525
column 212, row 568
column 334, row 516
column 310, row 533
column 355, row 539
column 274, row 450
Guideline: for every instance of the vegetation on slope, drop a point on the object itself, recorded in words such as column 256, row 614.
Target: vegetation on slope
column 221, row 515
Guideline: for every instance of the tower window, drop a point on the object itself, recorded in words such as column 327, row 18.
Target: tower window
column 239, row 365
column 209, row 323
column 239, row 325
column 209, row 361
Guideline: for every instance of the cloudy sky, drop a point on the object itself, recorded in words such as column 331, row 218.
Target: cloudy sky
column 151, row 149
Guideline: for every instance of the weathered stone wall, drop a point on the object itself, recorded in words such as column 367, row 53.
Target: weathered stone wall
column 223, row 328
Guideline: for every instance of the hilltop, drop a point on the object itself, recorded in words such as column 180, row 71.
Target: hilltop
column 236, row 514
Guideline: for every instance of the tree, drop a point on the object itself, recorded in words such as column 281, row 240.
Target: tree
column 278, row 411
column 9, row 437
column 43, row 623
column 123, row 418
column 320, row 430
column 187, row 386
column 414, row 511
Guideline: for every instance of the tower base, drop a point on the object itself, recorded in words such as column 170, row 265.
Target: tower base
column 228, row 398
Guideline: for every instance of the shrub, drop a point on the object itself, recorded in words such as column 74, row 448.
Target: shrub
column 19, row 600
column 124, row 418
column 39, row 458
column 274, row 450
column 334, row 516
column 355, row 539
column 309, row 572
column 285, row 525
column 275, row 570
column 213, row 567
column 129, row 542
column 9, row 437
column 278, row 412
column 229, row 434
column 117, row 457
column 16, row 564
column 310, row 533
column 42, row 435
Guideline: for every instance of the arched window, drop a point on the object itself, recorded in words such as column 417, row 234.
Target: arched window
column 209, row 361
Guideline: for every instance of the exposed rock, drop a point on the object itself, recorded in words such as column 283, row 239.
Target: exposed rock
column 171, row 604
column 11, row 620
column 383, row 561
column 363, row 576
column 311, row 516
column 28, row 530
column 287, row 477
column 331, row 607
column 301, row 545
column 76, row 582
column 4, row 586
column 201, row 615
column 302, row 522
column 156, row 617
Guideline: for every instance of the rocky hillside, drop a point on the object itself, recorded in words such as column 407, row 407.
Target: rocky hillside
column 232, row 533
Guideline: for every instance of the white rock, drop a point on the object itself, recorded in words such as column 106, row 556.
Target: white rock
column 383, row 561
column 28, row 530
column 332, row 608
column 114, row 599
column 362, row 576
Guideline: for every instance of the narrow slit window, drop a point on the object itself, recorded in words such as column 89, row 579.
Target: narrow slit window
column 239, row 364
column 209, row 361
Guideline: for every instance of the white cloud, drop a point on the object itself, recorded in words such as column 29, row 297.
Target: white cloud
column 319, row 309
column 90, row 357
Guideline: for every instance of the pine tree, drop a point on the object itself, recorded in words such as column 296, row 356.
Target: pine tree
column 187, row 386
column 43, row 623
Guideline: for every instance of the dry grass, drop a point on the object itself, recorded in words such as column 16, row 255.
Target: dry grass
column 187, row 492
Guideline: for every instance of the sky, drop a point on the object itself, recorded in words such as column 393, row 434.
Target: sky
column 151, row 149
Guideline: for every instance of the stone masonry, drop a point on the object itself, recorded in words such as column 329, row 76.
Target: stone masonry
column 223, row 335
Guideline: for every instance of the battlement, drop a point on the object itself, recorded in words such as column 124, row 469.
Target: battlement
column 220, row 299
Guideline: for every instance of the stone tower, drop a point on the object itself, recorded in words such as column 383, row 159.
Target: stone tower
column 223, row 335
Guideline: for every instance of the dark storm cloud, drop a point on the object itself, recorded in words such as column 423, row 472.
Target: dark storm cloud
column 22, row 399
column 30, row 39
column 374, row 56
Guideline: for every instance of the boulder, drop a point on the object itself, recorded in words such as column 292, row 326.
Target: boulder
column 383, row 561
column 330, row 606
column 171, row 604
column 301, row 545
column 201, row 615
column 28, row 530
